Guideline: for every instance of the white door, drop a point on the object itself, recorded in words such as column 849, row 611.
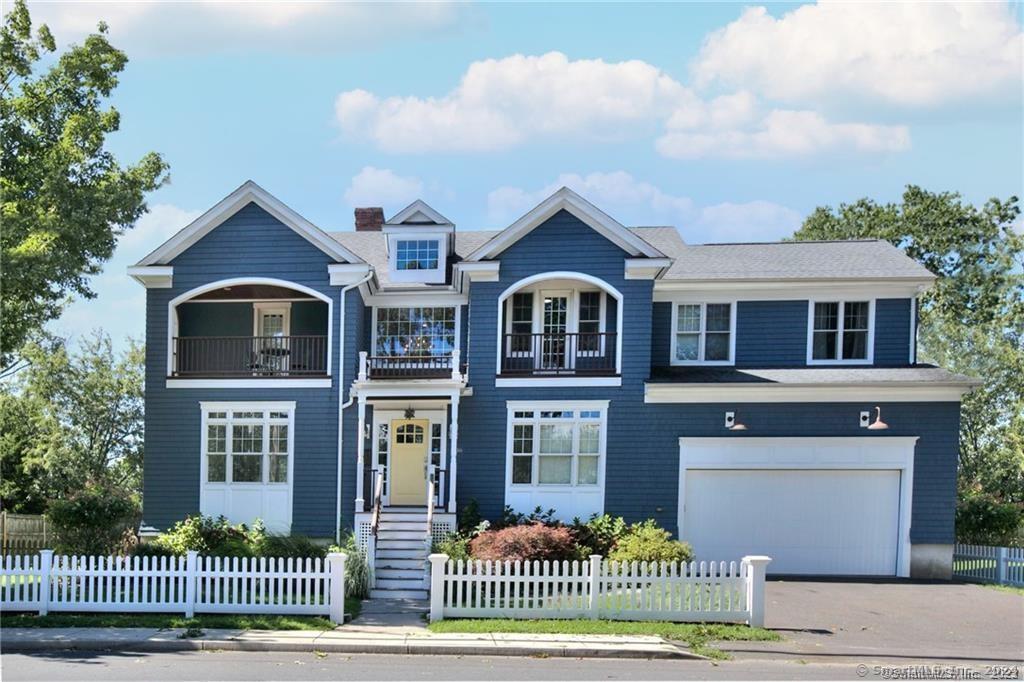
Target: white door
column 554, row 325
column 813, row 521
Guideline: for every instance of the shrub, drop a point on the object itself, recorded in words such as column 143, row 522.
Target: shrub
column 357, row 570
column 151, row 548
column 510, row 517
column 983, row 519
column 456, row 546
column 210, row 536
column 599, row 535
column 97, row 520
column 648, row 542
column 534, row 542
column 298, row 546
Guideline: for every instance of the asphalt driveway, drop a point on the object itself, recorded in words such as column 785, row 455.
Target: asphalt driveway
column 899, row 620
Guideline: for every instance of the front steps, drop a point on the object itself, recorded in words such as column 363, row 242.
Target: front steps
column 400, row 566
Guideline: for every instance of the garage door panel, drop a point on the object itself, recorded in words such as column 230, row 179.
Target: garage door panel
column 818, row 522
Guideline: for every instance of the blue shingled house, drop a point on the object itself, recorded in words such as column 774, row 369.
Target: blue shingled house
column 751, row 398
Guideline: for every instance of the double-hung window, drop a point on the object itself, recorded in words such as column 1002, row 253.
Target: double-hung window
column 247, row 446
column 557, row 447
column 840, row 331
column 703, row 333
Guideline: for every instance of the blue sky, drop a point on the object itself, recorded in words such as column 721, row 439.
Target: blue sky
column 730, row 121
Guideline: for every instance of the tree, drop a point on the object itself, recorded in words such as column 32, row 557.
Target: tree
column 64, row 198
column 971, row 322
column 72, row 419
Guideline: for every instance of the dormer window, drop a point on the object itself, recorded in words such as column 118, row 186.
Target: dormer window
column 416, row 254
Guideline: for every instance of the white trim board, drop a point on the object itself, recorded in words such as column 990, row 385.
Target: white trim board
column 249, row 383
column 780, row 289
column 418, row 207
column 839, row 331
column 568, row 200
column 891, row 392
column 824, row 453
column 249, row 192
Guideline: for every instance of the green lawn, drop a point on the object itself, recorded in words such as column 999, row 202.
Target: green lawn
column 696, row 635
column 1013, row 589
column 173, row 620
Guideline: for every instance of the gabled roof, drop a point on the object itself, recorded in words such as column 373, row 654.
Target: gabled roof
column 418, row 213
column 248, row 193
column 567, row 200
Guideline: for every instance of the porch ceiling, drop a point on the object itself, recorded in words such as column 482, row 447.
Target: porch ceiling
column 251, row 291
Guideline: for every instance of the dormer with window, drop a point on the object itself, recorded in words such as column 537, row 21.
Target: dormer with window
column 419, row 242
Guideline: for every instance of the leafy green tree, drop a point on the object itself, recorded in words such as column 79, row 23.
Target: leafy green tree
column 971, row 322
column 64, row 198
column 72, row 419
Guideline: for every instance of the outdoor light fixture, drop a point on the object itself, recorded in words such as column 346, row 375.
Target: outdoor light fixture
column 732, row 424
column 878, row 424
column 865, row 418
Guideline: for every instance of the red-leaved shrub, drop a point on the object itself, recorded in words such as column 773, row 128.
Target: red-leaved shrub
column 533, row 542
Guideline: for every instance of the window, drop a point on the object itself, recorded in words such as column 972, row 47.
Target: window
column 589, row 323
column 840, row 331
column 418, row 254
column 415, row 331
column 521, row 324
column 557, row 447
column 702, row 333
column 247, row 446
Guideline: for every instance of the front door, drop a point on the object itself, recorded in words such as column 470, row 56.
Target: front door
column 410, row 447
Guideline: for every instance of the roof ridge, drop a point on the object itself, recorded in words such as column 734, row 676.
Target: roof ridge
column 786, row 241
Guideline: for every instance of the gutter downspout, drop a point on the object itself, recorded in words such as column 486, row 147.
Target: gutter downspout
column 343, row 405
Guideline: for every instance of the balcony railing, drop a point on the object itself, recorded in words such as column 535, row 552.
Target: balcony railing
column 559, row 354
column 409, row 366
column 250, row 356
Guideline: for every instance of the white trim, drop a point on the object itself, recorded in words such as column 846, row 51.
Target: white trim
column 415, row 299
column 227, row 486
column 172, row 313
column 409, row 388
column 890, row 392
column 479, row 271
column 434, row 415
column 249, row 192
column 418, row 206
column 458, row 322
column 153, row 276
column 556, row 381
column 840, row 322
column 284, row 382
column 873, row 452
column 566, row 199
column 646, row 268
column 424, row 276
column 702, row 334
column 773, row 289
column 512, row 405
column 342, row 274
column 563, row 274
column 260, row 307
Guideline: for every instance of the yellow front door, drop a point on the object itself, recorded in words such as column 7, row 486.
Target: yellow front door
column 410, row 446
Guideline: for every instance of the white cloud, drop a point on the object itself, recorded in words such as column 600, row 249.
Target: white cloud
column 907, row 53
column 120, row 303
column 500, row 103
column 213, row 26
column 635, row 202
column 382, row 187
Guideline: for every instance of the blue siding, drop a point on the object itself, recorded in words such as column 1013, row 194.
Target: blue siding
column 771, row 333
column 661, row 335
column 250, row 243
column 892, row 331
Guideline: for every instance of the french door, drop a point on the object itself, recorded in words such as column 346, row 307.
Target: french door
column 554, row 326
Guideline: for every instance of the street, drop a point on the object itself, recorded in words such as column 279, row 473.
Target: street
column 113, row 667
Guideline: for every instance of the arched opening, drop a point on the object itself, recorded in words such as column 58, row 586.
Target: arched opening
column 250, row 328
column 559, row 324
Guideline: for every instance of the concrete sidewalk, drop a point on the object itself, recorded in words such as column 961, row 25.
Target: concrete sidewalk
column 344, row 640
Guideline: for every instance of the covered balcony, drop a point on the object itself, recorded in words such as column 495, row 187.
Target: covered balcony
column 250, row 330
column 413, row 343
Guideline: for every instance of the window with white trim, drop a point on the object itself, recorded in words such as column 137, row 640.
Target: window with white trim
column 415, row 331
column 703, row 333
column 840, row 331
column 247, row 446
column 556, row 447
column 416, row 254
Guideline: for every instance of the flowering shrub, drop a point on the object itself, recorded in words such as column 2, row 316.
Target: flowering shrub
column 94, row 520
column 534, row 542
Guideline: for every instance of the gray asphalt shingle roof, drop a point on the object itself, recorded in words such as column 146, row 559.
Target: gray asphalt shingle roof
column 917, row 374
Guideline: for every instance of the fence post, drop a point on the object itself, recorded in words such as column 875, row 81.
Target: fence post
column 594, row 587
column 1002, row 563
column 756, row 567
column 45, row 566
column 336, row 569
column 191, row 577
column 438, row 562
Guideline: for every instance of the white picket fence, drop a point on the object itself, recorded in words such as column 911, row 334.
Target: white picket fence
column 697, row 592
column 981, row 563
column 190, row 584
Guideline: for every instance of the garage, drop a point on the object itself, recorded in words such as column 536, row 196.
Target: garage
column 817, row 506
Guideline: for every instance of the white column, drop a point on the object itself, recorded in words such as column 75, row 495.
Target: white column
column 45, row 567
column 437, row 568
column 453, row 439
column 456, row 361
column 360, row 445
column 336, row 569
column 594, row 586
column 191, row 577
column 756, row 567
column 362, row 365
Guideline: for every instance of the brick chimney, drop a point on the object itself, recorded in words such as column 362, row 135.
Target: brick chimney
column 369, row 219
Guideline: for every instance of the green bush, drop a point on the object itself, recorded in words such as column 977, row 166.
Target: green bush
column 358, row 571
column 648, row 542
column 456, row 546
column 298, row 546
column 98, row 520
column 535, row 542
column 216, row 537
column 983, row 519
column 599, row 535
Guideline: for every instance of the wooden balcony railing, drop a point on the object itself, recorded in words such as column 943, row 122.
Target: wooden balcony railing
column 577, row 354
column 249, row 356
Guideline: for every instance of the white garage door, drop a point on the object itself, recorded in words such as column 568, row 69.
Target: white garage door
column 817, row 522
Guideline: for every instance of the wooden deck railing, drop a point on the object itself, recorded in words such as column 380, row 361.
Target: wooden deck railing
column 578, row 353
column 249, row 356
